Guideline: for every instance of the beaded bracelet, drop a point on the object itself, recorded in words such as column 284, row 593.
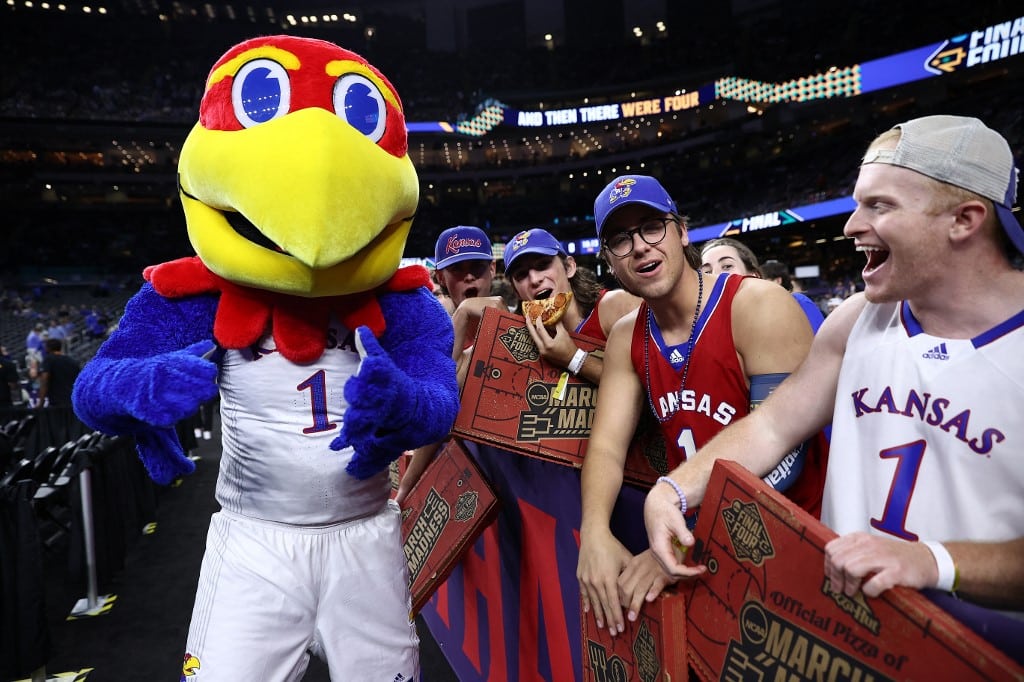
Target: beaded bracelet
column 679, row 492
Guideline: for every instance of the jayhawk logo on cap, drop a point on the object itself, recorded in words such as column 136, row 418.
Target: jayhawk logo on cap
column 621, row 190
column 521, row 240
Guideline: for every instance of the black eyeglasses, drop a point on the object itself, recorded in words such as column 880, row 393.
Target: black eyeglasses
column 651, row 231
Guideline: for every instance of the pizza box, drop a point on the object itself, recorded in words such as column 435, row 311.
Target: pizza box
column 396, row 470
column 442, row 516
column 517, row 401
column 653, row 647
column 764, row 609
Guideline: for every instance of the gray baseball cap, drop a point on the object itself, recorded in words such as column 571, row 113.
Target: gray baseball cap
column 960, row 151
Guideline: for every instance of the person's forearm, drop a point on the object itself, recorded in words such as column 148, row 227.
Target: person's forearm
column 748, row 441
column 592, row 368
column 460, row 323
column 990, row 573
column 601, row 481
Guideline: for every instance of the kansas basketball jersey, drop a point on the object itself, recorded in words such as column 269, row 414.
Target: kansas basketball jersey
column 716, row 391
column 927, row 434
column 591, row 324
column 280, row 418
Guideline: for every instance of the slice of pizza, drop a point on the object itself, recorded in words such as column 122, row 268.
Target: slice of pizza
column 550, row 310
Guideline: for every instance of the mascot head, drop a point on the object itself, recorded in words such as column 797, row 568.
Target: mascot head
column 297, row 179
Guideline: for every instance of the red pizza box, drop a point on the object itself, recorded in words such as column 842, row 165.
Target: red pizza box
column 765, row 610
column 443, row 514
column 519, row 402
column 653, row 647
column 396, row 470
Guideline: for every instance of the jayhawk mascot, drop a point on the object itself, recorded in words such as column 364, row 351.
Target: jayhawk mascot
column 330, row 361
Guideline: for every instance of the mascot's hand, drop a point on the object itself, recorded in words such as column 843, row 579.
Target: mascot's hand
column 162, row 455
column 172, row 386
column 374, row 419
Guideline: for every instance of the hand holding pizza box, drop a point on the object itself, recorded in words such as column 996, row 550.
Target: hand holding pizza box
column 653, row 647
column 764, row 608
column 516, row 400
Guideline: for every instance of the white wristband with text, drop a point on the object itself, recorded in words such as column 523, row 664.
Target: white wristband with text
column 947, row 581
column 576, row 364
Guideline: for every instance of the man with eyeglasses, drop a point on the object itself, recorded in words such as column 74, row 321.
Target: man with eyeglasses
column 699, row 353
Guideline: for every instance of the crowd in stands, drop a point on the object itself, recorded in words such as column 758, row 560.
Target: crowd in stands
column 80, row 317
column 721, row 168
column 105, row 79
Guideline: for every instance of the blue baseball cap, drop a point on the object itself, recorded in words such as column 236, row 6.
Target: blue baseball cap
column 460, row 243
column 532, row 241
column 631, row 189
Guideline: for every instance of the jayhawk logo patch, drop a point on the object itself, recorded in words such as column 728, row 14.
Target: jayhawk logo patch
column 621, row 190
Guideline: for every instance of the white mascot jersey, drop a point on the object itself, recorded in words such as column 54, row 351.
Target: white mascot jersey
column 928, row 433
column 279, row 419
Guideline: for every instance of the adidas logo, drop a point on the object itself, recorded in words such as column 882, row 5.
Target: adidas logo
column 399, row 678
column 937, row 353
column 675, row 357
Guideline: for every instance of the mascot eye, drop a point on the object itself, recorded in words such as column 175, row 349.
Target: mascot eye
column 260, row 92
column 358, row 101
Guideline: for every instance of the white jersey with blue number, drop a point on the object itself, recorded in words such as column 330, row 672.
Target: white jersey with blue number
column 928, row 433
column 278, row 420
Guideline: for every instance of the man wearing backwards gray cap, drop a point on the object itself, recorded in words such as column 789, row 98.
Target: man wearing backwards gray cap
column 922, row 377
column 698, row 353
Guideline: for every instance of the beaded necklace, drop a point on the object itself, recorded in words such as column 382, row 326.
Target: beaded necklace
column 689, row 353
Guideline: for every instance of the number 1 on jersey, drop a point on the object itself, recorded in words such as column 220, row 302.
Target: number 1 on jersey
column 317, row 385
column 894, row 516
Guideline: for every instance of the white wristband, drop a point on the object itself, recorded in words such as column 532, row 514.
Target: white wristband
column 576, row 364
column 947, row 581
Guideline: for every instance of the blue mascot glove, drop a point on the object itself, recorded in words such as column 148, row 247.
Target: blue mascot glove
column 374, row 418
column 170, row 386
column 162, row 455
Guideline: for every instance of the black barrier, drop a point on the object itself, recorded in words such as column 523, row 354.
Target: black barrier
column 24, row 634
column 124, row 500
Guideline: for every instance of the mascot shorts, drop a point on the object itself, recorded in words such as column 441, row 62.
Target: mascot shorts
column 270, row 593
